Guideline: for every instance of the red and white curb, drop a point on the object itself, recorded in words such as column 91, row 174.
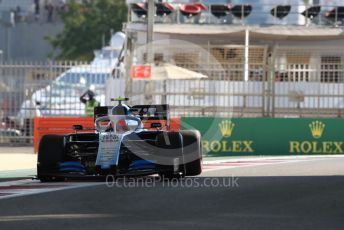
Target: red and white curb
column 28, row 187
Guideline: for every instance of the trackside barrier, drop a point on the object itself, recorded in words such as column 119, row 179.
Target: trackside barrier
column 58, row 125
column 63, row 125
column 268, row 136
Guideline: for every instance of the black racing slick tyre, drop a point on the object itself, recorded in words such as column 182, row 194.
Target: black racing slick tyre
column 192, row 151
column 50, row 154
column 170, row 154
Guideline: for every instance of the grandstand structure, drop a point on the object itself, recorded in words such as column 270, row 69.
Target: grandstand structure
column 27, row 9
column 272, row 59
column 20, row 25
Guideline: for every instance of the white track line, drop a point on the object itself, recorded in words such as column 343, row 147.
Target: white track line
column 234, row 159
column 28, row 187
column 259, row 161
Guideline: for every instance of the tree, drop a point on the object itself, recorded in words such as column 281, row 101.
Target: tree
column 85, row 24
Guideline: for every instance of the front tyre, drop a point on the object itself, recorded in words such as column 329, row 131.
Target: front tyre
column 50, row 153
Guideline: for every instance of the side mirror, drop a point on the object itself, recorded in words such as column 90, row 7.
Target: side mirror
column 78, row 127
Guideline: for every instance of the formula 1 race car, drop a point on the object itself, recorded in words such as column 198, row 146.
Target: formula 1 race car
column 122, row 145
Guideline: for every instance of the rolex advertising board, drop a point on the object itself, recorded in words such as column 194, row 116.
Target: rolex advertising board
column 268, row 136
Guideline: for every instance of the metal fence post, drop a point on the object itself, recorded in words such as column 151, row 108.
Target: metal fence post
column 269, row 91
column 336, row 17
column 149, row 47
column 272, row 81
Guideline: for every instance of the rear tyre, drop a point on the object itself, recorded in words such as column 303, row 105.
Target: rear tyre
column 50, row 154
column 170, row 154
column 192, row 152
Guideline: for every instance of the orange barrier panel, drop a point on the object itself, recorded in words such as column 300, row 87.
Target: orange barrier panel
column 58, row 125
column 175, row 123
column 63, row 125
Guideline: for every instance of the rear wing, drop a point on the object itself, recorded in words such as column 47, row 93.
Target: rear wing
column 153, row 113
column 147, row 113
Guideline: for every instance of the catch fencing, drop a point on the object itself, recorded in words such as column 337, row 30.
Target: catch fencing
column 31, row 89
column 274, row 82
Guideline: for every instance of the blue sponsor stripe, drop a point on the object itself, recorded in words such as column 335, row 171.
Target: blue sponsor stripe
column 72, row 166
column 72, row 169
column 142, row 164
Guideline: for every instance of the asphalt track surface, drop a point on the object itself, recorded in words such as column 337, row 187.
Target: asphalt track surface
column 296, row 194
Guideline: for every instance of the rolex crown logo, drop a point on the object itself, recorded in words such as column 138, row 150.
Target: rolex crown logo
column 317, row 128
column 226, row 128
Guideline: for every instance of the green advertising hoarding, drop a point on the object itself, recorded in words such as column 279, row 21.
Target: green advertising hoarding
column 268, row 136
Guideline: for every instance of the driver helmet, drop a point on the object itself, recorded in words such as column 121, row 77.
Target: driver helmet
column 121, row 109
